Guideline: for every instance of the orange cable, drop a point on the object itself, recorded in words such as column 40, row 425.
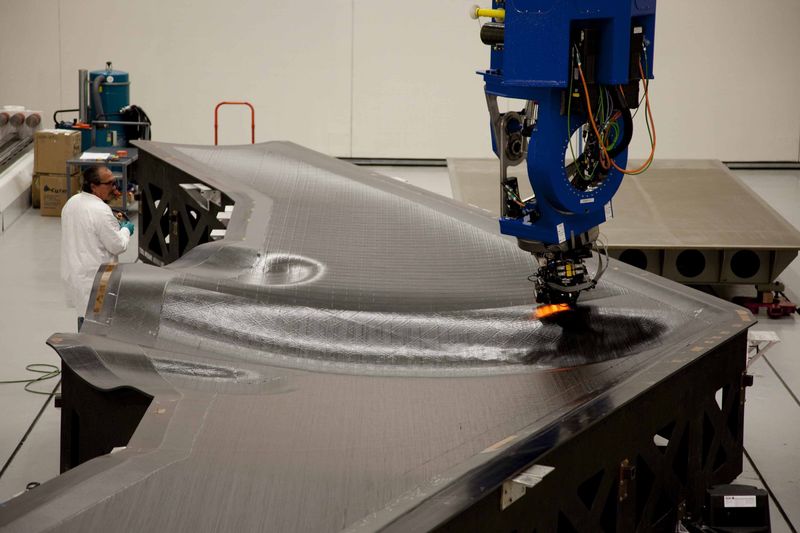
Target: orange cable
column 604, row 157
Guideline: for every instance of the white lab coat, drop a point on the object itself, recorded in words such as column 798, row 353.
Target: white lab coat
column 90, row 236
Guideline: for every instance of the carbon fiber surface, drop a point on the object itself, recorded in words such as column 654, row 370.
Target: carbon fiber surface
column 352, row 347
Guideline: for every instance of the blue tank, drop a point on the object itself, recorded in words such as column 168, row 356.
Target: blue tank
column 109, row 92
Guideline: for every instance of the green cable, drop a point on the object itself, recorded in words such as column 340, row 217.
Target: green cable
column 569, row 122
column 615, row 132
column 650, row 134
column 510, row 191
column 601, row 113
column 646, row 88
column 47, row 371
column 646, row 114
column 600, row 106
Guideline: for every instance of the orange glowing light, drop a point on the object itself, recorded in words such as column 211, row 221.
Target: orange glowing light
column 543, row 311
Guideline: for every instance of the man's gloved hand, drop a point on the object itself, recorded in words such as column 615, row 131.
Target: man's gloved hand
column 129, row 226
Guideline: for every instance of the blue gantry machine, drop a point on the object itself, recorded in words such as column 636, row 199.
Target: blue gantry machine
column 581, row 68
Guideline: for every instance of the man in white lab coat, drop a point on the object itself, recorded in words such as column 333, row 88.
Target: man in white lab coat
column 90, row 236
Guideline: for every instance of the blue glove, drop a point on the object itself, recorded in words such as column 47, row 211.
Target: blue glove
column 129, row 226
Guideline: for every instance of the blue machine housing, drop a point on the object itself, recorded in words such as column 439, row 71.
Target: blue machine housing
column 113, row 94
column 534, row 64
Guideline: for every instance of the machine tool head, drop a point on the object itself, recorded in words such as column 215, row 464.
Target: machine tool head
column 562, row 273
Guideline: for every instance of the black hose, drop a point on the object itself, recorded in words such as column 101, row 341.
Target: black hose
column 493, row 33
column 99, row 114
column 134, row 113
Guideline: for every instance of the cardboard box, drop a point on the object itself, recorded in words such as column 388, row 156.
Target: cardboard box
column 53, row 192
column 35, row 200
column 52, row 148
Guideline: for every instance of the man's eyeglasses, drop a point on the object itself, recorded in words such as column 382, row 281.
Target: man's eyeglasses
column 111, row 182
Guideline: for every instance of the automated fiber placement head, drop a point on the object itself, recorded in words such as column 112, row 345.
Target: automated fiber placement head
column 577, row 67
column 562, row 273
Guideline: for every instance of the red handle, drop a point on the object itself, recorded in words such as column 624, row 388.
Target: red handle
column 252, row 120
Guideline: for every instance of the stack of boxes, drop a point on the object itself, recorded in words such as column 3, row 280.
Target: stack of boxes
column 51, row 150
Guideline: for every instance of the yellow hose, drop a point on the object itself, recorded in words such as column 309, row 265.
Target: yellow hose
column 497, row 14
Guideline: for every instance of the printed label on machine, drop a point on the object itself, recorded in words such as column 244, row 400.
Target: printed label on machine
column 740, row 501
column 587, row 200
column 562, row 234
column 608, row 210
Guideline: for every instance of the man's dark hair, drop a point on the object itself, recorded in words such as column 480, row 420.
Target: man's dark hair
column 91, row 176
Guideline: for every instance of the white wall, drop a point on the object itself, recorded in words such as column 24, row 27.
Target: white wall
column 390, row 79
column 727, row 80
column 29, row 55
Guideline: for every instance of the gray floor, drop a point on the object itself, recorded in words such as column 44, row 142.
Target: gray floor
column 32, row 307
column 772, row 413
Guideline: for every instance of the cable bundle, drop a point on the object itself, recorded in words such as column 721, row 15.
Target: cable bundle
column 607, row 139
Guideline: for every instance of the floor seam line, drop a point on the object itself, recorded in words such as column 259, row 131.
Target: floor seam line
column 30, row 429
column 785, row 385
column 772, row 496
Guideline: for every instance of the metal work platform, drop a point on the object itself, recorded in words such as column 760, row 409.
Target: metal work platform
column 691, row 221
column 16, row 168
column 358, row 354
column 12, row 149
